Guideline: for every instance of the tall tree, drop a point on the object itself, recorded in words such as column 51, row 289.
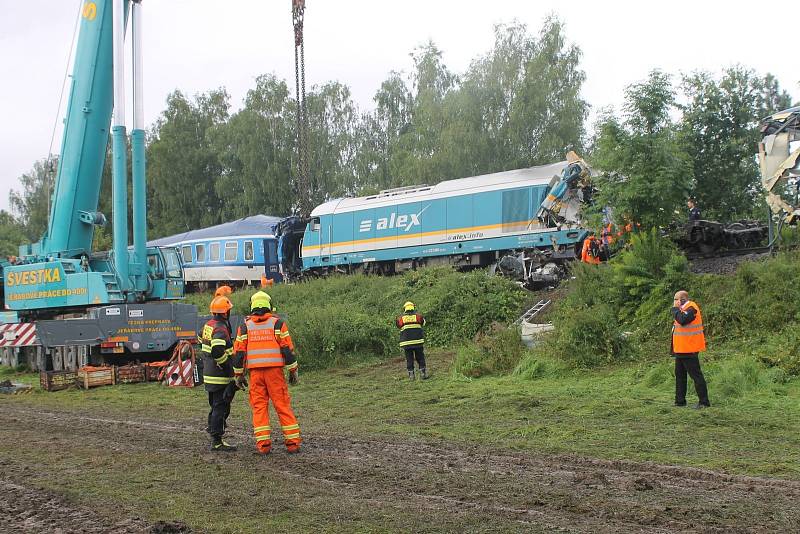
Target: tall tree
column 332, row 125
column 379, row 133
column 31, row 204
column 419, row 157
column 255, row 149
column 548, row 113
column 12, row 234
column 720, row 124
column 182, row 165
column 648, row 172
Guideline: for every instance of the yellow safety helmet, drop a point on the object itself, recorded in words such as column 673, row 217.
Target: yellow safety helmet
column 409, row 306
column 220, row 305
column 260, row 300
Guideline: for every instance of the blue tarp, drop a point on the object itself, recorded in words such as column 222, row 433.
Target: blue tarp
column 254, row 225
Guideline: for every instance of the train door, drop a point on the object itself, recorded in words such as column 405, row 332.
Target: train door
column 271, row 262
column 325, row 237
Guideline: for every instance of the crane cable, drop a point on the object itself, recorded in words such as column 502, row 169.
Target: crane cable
column 303, row 183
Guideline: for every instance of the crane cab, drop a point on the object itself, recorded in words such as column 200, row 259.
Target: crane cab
column 165, row 274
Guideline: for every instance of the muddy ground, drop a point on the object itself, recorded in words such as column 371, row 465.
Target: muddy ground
column 402, row 485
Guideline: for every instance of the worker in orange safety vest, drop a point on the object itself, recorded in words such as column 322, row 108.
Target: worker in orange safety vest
column 590, row 253
column 688, row 340
column 264, row 342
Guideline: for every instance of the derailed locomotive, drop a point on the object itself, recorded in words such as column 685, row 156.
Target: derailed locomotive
column 523, row 222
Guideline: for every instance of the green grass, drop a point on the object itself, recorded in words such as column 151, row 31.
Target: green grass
column 339, row 320
column 606, row 413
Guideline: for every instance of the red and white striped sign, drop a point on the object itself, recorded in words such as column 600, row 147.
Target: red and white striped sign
column 180, row 373
column 18, row 335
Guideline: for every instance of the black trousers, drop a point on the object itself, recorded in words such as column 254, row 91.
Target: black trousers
column 220, row 402
column 689, row 364
column 415, row 353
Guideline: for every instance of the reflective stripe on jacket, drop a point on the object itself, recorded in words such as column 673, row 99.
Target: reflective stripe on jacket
column 689, row 338
column 264, row 341
column 412, row 333
column 216, row 347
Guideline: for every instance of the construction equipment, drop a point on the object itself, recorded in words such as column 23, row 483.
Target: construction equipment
column 88, row 306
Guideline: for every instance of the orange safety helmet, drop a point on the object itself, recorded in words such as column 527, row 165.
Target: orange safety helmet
column 220, row 305
column 223, row 291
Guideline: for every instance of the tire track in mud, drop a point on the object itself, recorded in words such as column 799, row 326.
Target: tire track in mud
column 31, row 510
column 568, row 493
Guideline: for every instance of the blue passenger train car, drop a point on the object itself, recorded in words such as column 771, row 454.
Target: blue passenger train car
column 234, row 253
column 467, row 222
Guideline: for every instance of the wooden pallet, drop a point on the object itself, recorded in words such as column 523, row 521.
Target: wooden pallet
column 56, row 380
column 89, row 377
column 131, row 374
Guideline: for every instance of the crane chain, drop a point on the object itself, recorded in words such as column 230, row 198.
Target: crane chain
column 303, row 185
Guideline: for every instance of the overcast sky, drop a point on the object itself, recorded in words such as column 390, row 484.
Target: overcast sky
column 197, row 45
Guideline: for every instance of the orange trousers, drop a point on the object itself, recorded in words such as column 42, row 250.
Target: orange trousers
column 268, row 383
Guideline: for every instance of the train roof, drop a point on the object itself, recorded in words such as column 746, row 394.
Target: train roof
column 255, row 225
column 539, row 175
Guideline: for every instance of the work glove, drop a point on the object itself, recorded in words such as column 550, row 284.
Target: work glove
column 241, row 382
column 293, row 378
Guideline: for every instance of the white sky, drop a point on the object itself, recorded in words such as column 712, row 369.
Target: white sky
column 197, row 45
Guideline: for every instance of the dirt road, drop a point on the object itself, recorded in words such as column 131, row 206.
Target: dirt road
column 352, row 483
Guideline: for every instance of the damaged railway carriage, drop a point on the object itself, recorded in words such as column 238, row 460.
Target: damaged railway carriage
column 493, row 219
column 235, row 253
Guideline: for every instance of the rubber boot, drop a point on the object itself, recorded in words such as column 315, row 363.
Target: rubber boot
column 411, row 375
column 219, row 445
column 424, row 373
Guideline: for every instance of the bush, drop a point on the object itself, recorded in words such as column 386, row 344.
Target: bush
column 342, row 318
column 586, row 336
column 497, row 352
column 781, row 350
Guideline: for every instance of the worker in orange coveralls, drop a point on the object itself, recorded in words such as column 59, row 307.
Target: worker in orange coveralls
column 264, row 342
column 590, row 253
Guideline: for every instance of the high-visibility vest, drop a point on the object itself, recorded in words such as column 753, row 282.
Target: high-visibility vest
column 689, row 338
column 263, row 349
column 411, row 332
column 216, row 371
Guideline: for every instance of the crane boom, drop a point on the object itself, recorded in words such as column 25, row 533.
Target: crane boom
column 73, row 213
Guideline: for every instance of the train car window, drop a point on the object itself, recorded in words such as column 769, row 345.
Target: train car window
column 213, row 252
column 186, row 253
column 315, row 224
column 200, row 251
column 231, row 250
column 248, row 251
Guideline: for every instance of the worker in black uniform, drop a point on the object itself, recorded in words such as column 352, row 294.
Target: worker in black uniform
column 412, row 339
column 218, row 370
column 694, row 211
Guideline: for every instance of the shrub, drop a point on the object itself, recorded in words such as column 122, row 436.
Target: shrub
column 586, row 336
column 342, row 318
column 494, row 353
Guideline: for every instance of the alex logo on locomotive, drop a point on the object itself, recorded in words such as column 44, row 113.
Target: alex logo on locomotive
column 405, row 222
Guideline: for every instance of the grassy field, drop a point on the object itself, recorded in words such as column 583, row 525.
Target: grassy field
column 622, row 413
